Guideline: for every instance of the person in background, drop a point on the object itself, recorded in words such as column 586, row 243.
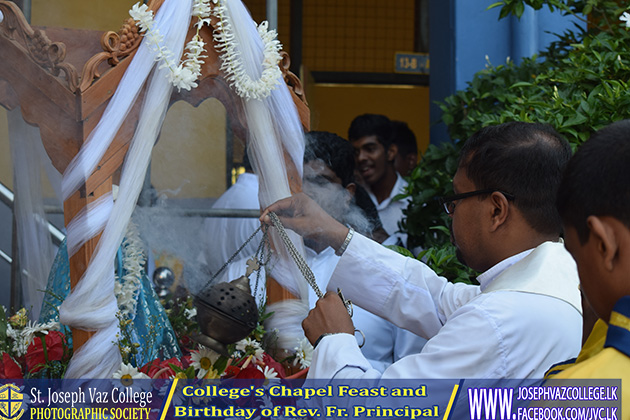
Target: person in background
column 594, row 203
column 407, row 156
column 222, row 236
column 371, row 137
column 329, row 167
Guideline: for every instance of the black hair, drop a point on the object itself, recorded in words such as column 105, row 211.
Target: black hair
column 596, row 179
column 403, row 137
column 371, row 125
column 336, row 152
column 522, row 159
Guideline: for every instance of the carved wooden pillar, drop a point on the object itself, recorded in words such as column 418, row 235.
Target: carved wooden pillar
column 35, row 75
column 66, row 105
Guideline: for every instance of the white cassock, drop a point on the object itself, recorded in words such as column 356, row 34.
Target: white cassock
column 525, row 316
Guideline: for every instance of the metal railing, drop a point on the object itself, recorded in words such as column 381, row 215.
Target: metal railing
column 183, row 212
column 7, row 197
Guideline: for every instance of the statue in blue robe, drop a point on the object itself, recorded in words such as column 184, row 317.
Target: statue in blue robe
column 150, row 327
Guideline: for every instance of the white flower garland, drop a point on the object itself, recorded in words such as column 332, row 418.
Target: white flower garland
column 133, row 260
column 238, row 78
column 185, row 75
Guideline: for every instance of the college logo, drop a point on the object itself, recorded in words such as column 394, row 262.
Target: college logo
column 10, row 402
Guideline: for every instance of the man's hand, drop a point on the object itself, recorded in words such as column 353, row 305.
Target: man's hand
column 328, row 316
column 304, row 216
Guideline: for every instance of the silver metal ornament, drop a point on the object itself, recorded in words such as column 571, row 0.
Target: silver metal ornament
column 163, row 279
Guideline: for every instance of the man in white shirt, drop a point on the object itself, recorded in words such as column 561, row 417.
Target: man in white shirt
column 222, row 236
column 525, row 316
column 371, row 137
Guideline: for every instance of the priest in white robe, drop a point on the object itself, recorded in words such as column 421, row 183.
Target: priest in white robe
column 526, row 313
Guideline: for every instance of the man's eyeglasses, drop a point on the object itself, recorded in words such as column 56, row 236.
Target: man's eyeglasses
column 450, row 201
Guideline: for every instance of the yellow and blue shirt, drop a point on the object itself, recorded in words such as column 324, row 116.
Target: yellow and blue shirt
column 612, row 361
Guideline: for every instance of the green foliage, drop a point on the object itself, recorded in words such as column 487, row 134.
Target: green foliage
column 49, row 364
column 50, row 370
column 425, row 221
column 431, row 179
column 579, row 84
column 599, row 11
column 401, row 250
column 443, row 261
column 189, row 372
column 181, row 313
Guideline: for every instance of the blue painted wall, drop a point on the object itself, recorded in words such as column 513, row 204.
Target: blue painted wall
column 464, row 36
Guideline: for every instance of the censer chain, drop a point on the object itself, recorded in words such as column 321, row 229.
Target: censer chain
column 303, row 266
column 293, row 252
column 233, row 257
column 297, row 257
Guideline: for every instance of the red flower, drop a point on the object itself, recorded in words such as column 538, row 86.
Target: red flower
column 9, row 369
column 162, row 369
column 250, row 372
column 55, row 345
column 231, row 371
column 268, row 361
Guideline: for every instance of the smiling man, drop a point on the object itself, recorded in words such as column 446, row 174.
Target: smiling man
column 375, row 153
column 526, row 313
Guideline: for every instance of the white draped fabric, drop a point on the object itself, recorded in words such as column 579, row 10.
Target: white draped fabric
column 274, row 126
column 36, row 252
column 92, row 305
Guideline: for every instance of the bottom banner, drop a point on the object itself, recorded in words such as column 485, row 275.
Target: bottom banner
column 127, row 399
